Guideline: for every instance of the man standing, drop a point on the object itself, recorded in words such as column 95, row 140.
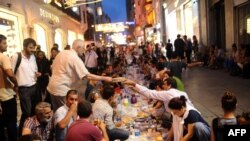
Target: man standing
column 179, row 46
column 8, row 105
column 26, row 74
column 65, row 115
column 91, row 59
column 67, row 69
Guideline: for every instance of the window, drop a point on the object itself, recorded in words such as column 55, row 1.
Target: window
column 9, row 28
column 58, row 39
column 248, row 25
column 71, row 37
column 41, row 37
column 244, row 24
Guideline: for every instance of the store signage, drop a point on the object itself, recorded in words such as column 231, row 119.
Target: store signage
column 49, row 15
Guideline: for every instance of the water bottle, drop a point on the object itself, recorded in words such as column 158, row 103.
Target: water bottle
column 133, row 99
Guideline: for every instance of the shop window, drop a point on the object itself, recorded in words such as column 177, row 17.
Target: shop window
column 248, row 25
column 9, row 27
column 41, row 37
column 188, row 17
column 244, row 24
column 59, row 39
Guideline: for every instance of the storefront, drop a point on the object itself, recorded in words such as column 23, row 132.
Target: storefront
column 181, row 17
column 243, row 23
column 171, row 26
column 38, row 20
column 10, row 27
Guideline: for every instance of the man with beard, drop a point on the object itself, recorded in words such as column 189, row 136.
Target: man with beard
column 26, row 71
column 8, row 105
column 41, row 125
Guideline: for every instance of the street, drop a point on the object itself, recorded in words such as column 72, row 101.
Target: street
column 205, row 88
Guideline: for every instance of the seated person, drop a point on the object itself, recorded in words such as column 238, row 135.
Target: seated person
column 82, row 129
column 194, row 127
column 102, row 110
column 228, row 103
column 109, row 70
column 176, row 66
column 40, row 125
column 65, row 115
column 244, row 119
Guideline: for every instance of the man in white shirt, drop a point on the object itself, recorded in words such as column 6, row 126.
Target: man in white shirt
column 91, row 59
column 67, row 69
column 65, row 115
column 165, row 95
column 26, row 76
column 8, row 105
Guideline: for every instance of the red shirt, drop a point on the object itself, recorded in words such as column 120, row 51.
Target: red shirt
column 82, row 130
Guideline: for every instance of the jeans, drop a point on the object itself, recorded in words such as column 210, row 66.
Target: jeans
column 28, row 100
column 117, row 133
column 57, row 101
column 8, row 119
column 60, row 134
column 201, row 132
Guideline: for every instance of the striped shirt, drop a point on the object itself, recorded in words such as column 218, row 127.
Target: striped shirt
column 43, row 131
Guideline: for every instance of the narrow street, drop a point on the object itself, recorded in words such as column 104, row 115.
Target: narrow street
column 205, row 88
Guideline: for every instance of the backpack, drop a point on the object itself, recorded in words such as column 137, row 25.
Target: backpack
column 19, row 59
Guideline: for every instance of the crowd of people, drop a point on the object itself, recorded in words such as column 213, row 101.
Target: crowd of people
column 54, row 108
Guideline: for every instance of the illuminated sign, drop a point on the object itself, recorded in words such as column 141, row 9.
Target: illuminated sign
column 130, row 23
column 49, row 15
column 110, row 27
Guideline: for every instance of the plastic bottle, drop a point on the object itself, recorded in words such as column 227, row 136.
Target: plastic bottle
column 133, row 99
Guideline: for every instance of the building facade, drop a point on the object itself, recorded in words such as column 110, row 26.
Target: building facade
column 45, row 21
column 218, row 22
column 95, row 16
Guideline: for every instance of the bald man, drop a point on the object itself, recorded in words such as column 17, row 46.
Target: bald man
column 67, row 69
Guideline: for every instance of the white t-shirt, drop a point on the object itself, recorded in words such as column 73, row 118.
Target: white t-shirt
column 60, row 113
column 26, row 73
column 67, row 69
column 165, row 95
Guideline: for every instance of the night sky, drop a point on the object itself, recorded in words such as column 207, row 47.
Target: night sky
column 116, row 9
